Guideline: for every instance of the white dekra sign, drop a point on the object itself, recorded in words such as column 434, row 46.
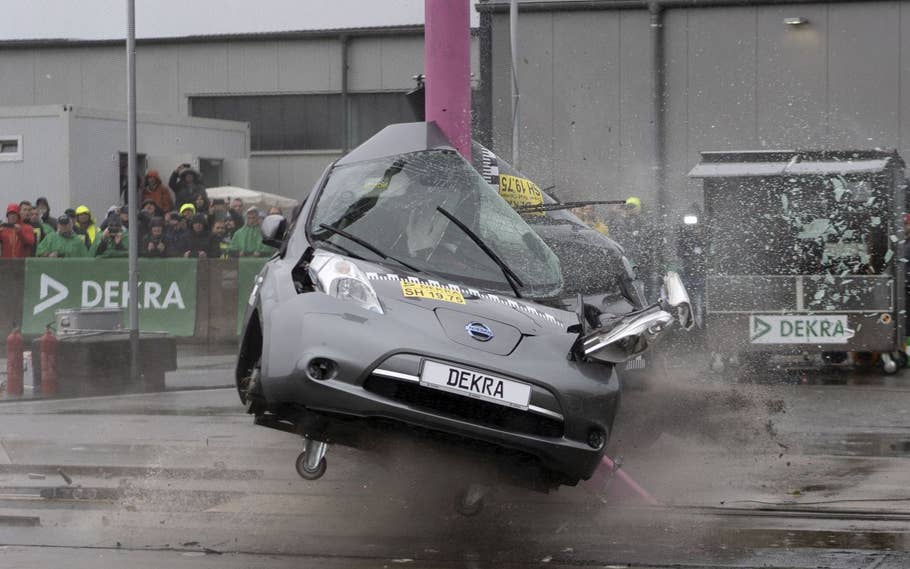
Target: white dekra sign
column 799, row 329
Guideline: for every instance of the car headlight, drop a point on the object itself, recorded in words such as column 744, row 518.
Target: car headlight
column 339, row 277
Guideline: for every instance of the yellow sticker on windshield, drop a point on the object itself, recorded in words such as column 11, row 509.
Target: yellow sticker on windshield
column 520, row 192
column 420, row 290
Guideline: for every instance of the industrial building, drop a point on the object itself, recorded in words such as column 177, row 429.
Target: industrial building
column 308, row 96
column 618, row 97
column 73, row 155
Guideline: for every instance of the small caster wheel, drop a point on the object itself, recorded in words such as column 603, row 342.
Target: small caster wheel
column 310, row 474
column 470, row 502
column 889, row 365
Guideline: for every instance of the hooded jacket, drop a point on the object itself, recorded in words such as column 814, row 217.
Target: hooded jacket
column 184, row 191
column 69, row 247
column 90, row 229
column 202, row 241
column 107, row 248
column 16, row 242
column 247, row 241
column 161, row 195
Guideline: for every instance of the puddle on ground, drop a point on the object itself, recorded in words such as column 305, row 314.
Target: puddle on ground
column 786, row 539
column 194, row 412
column 860, row 444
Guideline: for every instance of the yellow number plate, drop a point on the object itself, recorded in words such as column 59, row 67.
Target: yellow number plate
column 520, row 192
column 420, row 290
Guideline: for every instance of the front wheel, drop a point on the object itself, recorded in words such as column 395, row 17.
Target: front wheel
column 250, row 388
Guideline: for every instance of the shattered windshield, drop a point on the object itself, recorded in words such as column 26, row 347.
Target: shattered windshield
column 392, row 204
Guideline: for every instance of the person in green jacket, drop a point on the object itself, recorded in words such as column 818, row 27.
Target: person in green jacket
column 112, row 242
column 247, row 241
column 64, row 242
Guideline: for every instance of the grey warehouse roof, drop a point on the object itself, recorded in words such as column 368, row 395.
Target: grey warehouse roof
column 416, row 29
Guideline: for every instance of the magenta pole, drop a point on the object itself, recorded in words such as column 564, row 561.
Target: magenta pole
column 447, row 54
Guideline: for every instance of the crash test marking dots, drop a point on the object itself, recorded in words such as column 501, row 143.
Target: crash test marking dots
column 473, row 293
column 419, row 290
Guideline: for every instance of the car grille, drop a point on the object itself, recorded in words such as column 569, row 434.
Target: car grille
column 465, row 408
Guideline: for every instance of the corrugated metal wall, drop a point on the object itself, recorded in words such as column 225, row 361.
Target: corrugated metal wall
column 168, row 74
column 736, row 78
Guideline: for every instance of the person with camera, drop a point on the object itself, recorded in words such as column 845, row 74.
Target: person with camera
column 186, row 183
column 17, row 239
column 112, row 242
column 221, row 238
column 247, row 241
column 175, row 234
column 63, row 243
column 199, row 243
column 154, row 243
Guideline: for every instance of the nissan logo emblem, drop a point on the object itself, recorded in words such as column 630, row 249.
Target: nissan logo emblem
column 478, row 331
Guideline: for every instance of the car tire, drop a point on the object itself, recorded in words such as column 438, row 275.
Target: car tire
column 251, row 391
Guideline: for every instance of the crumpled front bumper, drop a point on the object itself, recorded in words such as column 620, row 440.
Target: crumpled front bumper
column 378, row 362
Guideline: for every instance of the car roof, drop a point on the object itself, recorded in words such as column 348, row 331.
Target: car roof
column 397, row 139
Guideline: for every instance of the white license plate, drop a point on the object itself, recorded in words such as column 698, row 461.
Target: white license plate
column 475, row 384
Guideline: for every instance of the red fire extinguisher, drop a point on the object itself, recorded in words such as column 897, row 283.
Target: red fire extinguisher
column 14, row 346
column 48, row 344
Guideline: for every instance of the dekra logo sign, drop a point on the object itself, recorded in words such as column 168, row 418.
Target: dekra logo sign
column 109, row 294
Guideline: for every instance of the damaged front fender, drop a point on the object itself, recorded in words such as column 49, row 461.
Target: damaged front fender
column 621, row 338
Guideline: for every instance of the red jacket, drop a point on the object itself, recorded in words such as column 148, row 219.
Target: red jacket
column 16, row 243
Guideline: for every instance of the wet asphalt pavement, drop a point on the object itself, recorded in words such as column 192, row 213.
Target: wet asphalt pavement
column 784, row 472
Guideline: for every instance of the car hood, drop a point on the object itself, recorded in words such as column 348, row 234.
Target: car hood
column 453, row 302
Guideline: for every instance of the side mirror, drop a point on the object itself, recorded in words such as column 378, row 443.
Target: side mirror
column 273, row 228
column 674, row 296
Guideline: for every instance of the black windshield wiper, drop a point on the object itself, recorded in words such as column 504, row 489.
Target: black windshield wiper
column 366, row 245
column 511, row 277
column 534, row 208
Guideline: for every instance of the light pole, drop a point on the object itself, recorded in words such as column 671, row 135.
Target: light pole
column 132, row 197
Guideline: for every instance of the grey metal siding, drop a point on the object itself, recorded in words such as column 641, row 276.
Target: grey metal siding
column 252, row 67
column 21, row 66
column 864, row 74
column 736, row 77
column 309, row 66
column 43, row 170
column 168, row 73
column 792, row 78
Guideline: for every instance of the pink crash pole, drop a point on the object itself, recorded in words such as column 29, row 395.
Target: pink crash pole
column 447, row 67
column 627, row 486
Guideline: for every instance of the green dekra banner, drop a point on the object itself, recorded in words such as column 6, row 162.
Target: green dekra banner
column 167, row 291
column 247, row 269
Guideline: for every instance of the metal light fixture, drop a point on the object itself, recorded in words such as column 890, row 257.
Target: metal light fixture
column 796, row 21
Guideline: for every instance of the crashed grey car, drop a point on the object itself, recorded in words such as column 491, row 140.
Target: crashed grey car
column 407, row 294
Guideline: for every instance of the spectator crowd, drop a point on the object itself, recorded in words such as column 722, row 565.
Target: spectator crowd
column 174, row 220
